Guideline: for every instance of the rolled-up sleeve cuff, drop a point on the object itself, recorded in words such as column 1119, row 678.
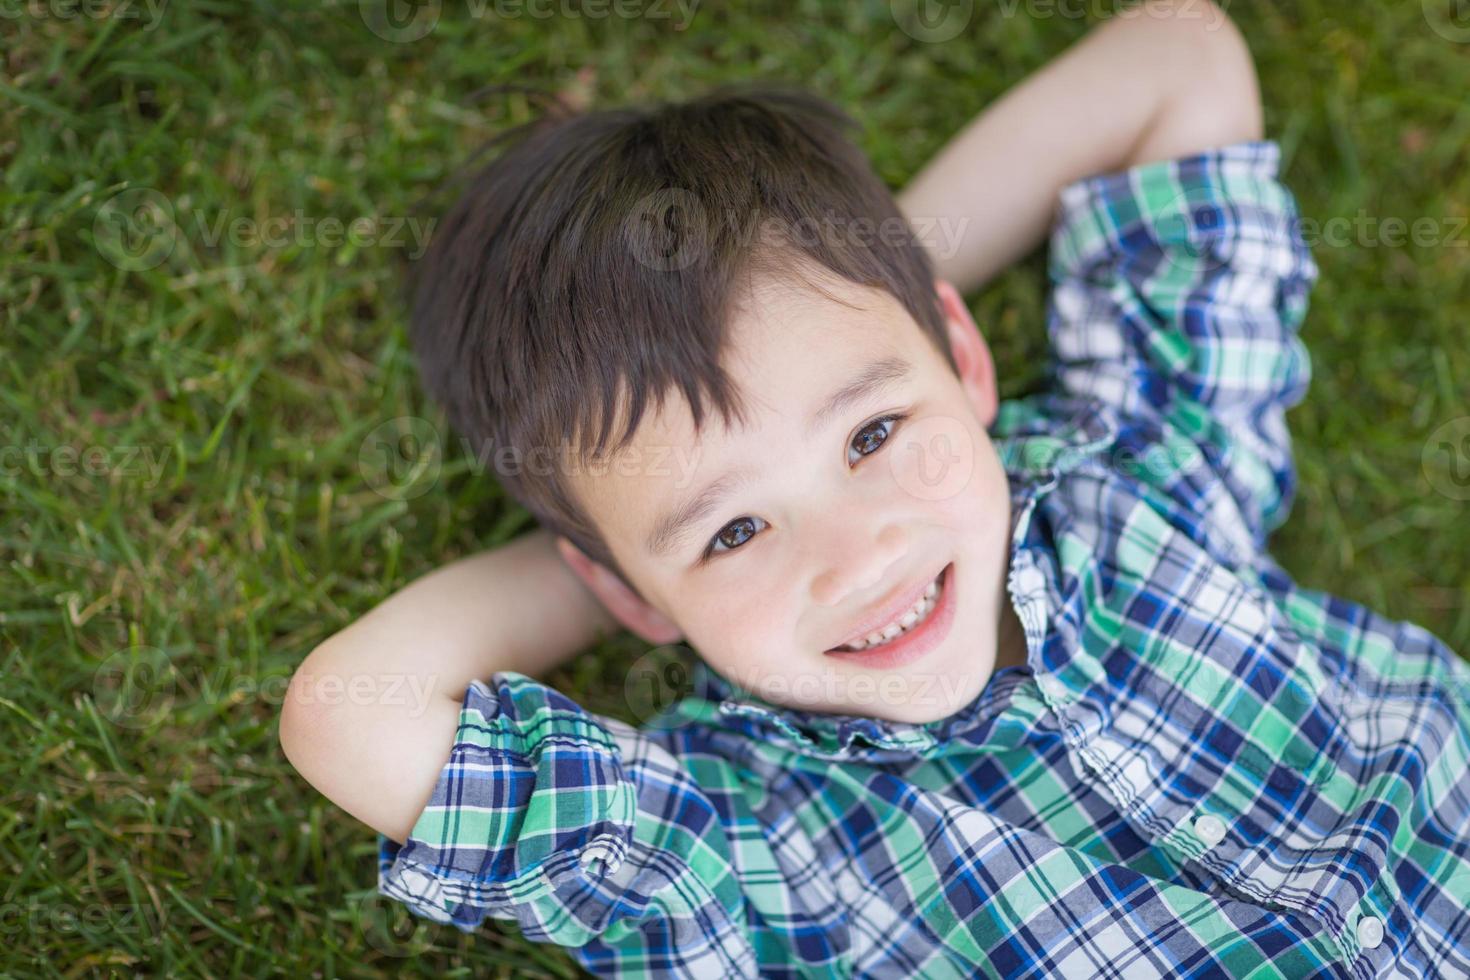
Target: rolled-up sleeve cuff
column 1200, row 210
column 534, row 791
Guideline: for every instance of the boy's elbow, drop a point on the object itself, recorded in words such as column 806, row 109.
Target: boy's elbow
column 1212, row 97
column 324, row 742
column 306, row 723
column 373, row 749
column 295, row 722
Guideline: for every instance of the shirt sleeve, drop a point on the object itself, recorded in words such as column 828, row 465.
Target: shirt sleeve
column 579, row 828
column 1178, row 288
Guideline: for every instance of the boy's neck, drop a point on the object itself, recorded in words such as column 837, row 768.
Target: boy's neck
column 1010, row 643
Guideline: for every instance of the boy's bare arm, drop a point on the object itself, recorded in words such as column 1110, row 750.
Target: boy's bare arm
column 370, row 715
column 1159, row 80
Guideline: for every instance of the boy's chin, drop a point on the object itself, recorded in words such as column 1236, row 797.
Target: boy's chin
column 928, row 714
column 932, row 699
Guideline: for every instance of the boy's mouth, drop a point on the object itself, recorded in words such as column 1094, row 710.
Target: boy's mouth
column 903, row 621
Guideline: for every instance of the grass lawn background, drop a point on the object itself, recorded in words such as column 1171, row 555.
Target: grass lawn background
column 189, row 482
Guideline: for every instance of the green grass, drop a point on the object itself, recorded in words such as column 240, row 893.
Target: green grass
column 167, row 834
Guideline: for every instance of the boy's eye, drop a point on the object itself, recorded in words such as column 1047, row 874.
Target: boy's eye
column 734, row 534
column 868, row 440
column 872, row 436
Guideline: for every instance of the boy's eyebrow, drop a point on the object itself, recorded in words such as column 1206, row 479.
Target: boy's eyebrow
column 876, row 376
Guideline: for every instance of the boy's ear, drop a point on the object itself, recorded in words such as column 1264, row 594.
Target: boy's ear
column 626, row 606
column 971, row 353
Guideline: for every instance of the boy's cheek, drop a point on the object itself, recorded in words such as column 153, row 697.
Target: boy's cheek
column 937, row 460
column 750, row 644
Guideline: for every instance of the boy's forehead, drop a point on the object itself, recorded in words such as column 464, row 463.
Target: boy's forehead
column 785, row 334
column 789, row 346
column 773, row 292
column 787, row 343
column 792, row 327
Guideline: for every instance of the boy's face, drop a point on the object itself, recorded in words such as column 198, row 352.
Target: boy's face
column 831, row 521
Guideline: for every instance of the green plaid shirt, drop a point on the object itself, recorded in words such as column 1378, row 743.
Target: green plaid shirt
column 1203, row 770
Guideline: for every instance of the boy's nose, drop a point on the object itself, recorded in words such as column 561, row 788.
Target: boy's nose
column 852, row 558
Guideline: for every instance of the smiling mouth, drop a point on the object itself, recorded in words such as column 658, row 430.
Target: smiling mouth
column 907, row 621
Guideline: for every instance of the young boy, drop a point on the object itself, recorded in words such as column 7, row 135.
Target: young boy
column 1023, row 693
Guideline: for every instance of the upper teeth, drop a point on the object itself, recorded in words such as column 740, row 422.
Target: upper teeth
column 910, row 618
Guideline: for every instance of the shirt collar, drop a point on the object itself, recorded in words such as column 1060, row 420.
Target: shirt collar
column 1035, row 450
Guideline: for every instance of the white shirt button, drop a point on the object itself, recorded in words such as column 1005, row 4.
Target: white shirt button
column 1210, row 828
column 1370, row 931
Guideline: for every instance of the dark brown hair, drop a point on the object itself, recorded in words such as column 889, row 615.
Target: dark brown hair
column 592, row 265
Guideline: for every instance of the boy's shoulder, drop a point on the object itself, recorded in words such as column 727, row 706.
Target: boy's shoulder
column 1096, row 466
column 1178, row 290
